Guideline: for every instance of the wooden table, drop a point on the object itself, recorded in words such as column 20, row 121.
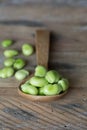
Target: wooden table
column 68, row 55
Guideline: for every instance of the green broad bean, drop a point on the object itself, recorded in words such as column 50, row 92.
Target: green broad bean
column 50, row 89
column 0, row 72
column 7, row 72
column 52, row 76
column 41, row 91
column 10, row 53
column 21, row 74
column 64, row 83
column 28, row 81
column 29, row 89
column 3, row 73
column 19, row 64
column 27, row 49
column 38, row 81
column 40, row 71
column 6, row 43
column 9, row 62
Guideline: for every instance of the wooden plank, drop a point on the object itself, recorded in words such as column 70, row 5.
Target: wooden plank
column 77, row 78
column 73, row 67
column 44, row 115
column 46, row 2
column 73, row 94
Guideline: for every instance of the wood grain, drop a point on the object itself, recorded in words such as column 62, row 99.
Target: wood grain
column 45, row 2
column 68, row 55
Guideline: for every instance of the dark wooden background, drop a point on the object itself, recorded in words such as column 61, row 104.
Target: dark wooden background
column 67, row 20
column 45, row 2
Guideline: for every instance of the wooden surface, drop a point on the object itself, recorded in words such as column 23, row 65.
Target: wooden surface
column 68, row 55
column 45, row 2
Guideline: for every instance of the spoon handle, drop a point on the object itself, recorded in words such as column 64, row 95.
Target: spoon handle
column 42, row 47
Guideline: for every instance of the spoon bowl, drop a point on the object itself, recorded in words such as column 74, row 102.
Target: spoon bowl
column 40, row 98
column 42, row 55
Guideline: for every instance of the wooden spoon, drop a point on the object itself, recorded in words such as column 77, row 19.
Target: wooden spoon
column 42, row 55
